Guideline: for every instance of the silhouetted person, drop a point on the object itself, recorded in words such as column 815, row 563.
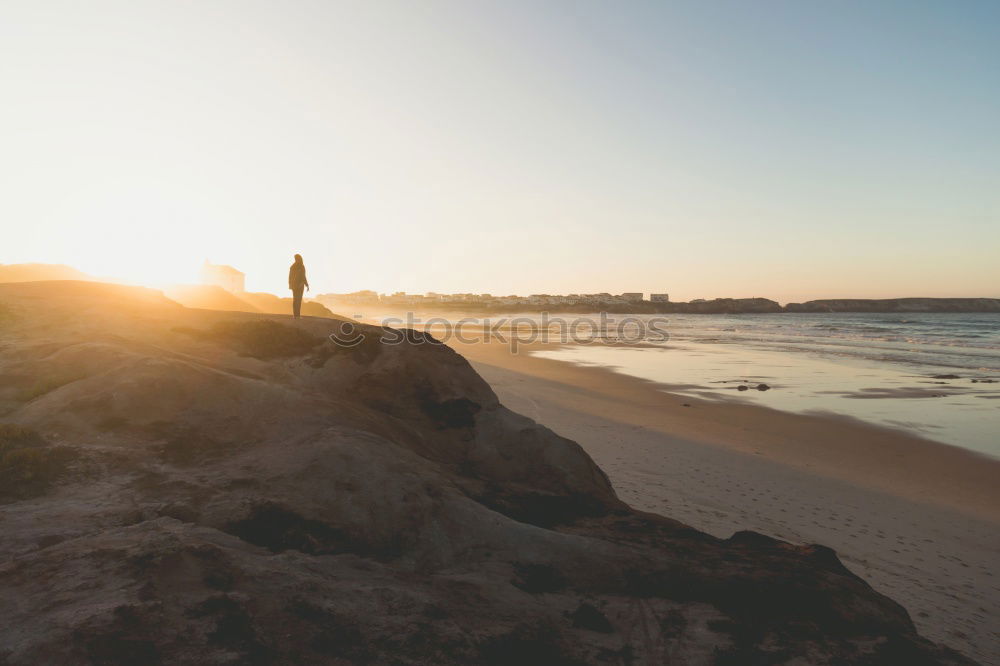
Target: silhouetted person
column 297, row 282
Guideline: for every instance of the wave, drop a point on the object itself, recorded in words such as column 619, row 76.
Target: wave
column 970, row 342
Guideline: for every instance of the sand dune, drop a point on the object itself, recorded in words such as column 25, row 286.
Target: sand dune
column 199, row 486
column 209, row 297
column 36, row 272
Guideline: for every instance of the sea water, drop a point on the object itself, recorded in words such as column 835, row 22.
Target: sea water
column 936, row 375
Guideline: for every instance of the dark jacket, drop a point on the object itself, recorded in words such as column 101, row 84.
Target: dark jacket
column 297, row 276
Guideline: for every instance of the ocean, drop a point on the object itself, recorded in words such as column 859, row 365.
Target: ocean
column 967, row 342
column 936, row 375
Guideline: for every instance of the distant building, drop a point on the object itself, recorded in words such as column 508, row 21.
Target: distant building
column 226, row 277
column 632, row 297
column 659, row 298
column 402, row 298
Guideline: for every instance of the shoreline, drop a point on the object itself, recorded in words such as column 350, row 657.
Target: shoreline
column 903, row 464
column 918, row 519
column 956, row 410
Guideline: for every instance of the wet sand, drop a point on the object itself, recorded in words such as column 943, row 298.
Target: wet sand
column 919, row 520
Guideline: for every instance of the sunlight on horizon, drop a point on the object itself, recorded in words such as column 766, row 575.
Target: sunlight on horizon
column 507, row 148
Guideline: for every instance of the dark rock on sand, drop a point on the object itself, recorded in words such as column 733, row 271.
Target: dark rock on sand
column 252, row 493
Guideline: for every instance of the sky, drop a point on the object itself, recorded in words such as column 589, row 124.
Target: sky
column 785, row 149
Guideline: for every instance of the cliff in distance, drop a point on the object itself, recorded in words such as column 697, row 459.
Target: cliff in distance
column 191, row 486
column 898, row 305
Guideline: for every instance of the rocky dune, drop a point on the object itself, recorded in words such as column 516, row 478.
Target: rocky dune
column 196, row 486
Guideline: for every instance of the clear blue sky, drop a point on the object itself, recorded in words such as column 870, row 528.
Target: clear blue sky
column 785, row 149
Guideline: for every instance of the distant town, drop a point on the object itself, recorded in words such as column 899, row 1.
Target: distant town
column 637, row 303
column 232, row 280
column 434, row 298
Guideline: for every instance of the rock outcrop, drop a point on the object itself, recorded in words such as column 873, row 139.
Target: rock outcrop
column 224, row 487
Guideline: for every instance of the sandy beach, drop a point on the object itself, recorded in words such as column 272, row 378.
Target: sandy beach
column 920, row 521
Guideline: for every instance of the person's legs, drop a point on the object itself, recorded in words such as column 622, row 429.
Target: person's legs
column 297, row 301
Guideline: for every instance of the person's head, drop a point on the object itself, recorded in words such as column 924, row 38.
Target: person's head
column 298, row 258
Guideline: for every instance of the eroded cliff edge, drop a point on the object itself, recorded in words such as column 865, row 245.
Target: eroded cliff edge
column 192, row 486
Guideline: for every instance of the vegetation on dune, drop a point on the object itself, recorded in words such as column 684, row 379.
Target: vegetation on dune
column 187, row 445
column 27, row 466
column 43, row 385
column 6, row 315
column 263, row 339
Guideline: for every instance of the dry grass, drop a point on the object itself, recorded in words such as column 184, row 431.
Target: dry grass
column 6, row 315
column 263, row 339
column 27, row 466
column 43, row 385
